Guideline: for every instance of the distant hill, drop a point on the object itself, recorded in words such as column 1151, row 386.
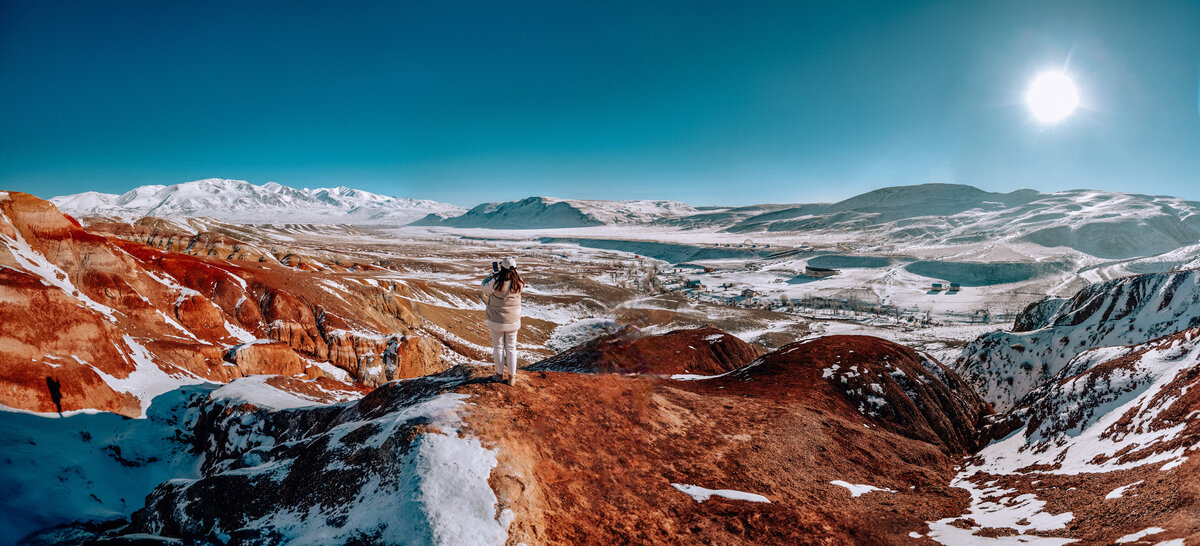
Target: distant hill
column 552, row 213
column 242, row 202
column 1103, row 224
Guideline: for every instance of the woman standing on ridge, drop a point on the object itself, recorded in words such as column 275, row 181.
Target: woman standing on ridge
column 502, row 291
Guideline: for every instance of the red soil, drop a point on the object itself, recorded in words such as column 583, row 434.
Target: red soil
column 591, row 458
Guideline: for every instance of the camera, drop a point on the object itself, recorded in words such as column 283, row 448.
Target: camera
column 495, row 267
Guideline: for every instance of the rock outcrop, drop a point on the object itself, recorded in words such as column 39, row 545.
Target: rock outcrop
column 280, row 466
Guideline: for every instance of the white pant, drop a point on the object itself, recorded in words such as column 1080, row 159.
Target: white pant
column 504, row 351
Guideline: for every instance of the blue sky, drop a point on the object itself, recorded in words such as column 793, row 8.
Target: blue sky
column 704, row 102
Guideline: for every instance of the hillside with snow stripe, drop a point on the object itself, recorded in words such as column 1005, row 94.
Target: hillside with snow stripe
column 1006, row 366
column 242, row 202
column 1108, row 409
column 552, row 213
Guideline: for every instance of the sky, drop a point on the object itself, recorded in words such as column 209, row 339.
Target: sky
column 707, row 102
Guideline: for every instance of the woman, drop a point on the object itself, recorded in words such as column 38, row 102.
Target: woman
column 502, row 291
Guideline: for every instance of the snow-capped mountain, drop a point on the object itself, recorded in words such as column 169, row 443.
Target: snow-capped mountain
column 550, row 213
column 243, row 202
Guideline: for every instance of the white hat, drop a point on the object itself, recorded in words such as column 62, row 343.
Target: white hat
column 508, row 263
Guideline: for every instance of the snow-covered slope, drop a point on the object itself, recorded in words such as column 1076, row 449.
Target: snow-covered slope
column 1006, row 366
column 1108, row 409
column 1104, row 453
column 238, row 201
column 550, row 212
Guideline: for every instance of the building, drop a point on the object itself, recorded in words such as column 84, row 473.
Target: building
column 937, row 286
column 819, row 272
column 955, row 286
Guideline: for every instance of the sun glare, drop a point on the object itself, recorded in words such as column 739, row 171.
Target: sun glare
column 1052, row 97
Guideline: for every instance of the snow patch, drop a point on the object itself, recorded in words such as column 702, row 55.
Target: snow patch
column 1134, row 537
column 701, row 494
column 1007, row 511
column 581, row 331
column 1120, row 491
column 34, row 262
column 857, row 490
column 147, row 380
column 255, row 390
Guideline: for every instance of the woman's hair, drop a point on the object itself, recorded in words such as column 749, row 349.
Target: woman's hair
column 510, row 276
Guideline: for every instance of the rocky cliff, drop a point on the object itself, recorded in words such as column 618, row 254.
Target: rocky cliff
column 99, row 322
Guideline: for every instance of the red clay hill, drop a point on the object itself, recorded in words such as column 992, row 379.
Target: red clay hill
column 700, row 351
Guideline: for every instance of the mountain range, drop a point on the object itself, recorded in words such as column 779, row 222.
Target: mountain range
column 243, row 202
column 1107, row 225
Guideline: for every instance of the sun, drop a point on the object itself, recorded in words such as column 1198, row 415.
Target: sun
column 1052, row 97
